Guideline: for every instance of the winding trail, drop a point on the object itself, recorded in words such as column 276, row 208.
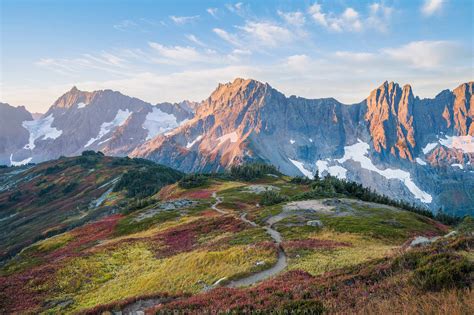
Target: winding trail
column 140, row 307
column 264, row 274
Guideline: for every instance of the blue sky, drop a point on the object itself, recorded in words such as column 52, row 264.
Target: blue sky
column 174, row 50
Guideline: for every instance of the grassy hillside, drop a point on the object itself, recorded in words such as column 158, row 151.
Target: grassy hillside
column 189, row 245
column 55, row 196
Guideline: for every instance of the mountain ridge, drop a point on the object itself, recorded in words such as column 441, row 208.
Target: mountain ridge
column 409, row 147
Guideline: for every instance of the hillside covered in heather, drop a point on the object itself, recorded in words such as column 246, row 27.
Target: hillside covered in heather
column 94, row 234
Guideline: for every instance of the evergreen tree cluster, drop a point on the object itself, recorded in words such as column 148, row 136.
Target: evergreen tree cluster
column 147, row 180
column 248, row 172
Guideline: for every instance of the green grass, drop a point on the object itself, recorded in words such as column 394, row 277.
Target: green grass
column 128, row 225
column 250, row 236
column 133, row 270
column 362, row 249
column 383, row 223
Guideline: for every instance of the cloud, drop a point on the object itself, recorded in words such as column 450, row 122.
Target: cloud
column 296, row 18
column 104, row 61
column 425, row 54
column 230, row 38
column 298, row 62
column 317, row 14
column 266, row 33
column 352, row 20
column 180, row 20
column 212, row 11
column 195, row 40
column 379, row 16
column 177, row 55
column 431, row 7
column 357, row 56
column 125, row 25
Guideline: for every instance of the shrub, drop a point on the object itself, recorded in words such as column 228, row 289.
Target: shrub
column 301, row 180
column 443, row 271
column 270, row 198
column 46, row 190
column 193, row 181
column 70, row 187
column 16, row 196
column 467, row 225
column 92, row 153
column 147, row 180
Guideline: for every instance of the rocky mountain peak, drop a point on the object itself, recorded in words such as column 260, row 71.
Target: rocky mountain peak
column 233, row 98
column 390, row 118
column 463, row 109
column 73, row 97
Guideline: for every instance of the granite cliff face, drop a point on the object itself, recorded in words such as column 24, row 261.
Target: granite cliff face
column 420, row 150
column 406, row 147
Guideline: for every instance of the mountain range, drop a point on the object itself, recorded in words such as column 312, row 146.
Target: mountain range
column 419, row 150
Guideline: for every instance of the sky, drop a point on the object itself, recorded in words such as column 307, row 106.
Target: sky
column 175, row 50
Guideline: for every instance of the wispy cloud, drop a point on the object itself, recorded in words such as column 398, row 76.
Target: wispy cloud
column 230, row 38
column 176, row 54
column 103, row 61
column 125, row 25
column 180, row 20
column 257, row 34
column 212, row 11
column 238, row 8
column 431, row 7
column 425, row 54
column 195, row 40
column 296, row 18
column 266, row 33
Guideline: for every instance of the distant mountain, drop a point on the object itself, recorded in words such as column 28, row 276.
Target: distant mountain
column 102, row 120
column 420, row 150
column 12, row 134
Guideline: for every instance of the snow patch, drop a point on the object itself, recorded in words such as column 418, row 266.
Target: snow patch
column 458, row 165
column 292, row 141
column 190, row 144
column 299, row 165
column 310, row 140
column 20, row 163
column 334, row 170
column 106, row 127
column 358, row 153
column 81, row 105
column 420, row 161
column 158, row 122
column 230, row 136
column 429, row 147
column 40, row 130
column 463, row 143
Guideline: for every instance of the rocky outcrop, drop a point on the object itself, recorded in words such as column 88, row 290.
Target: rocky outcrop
column 390, row 119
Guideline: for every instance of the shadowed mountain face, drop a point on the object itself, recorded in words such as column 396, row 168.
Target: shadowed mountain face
column 420, row 150
column 400, row 145
column 102, row 120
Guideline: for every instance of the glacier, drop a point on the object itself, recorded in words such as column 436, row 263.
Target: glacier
column 106, row 127
column 40, row 129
